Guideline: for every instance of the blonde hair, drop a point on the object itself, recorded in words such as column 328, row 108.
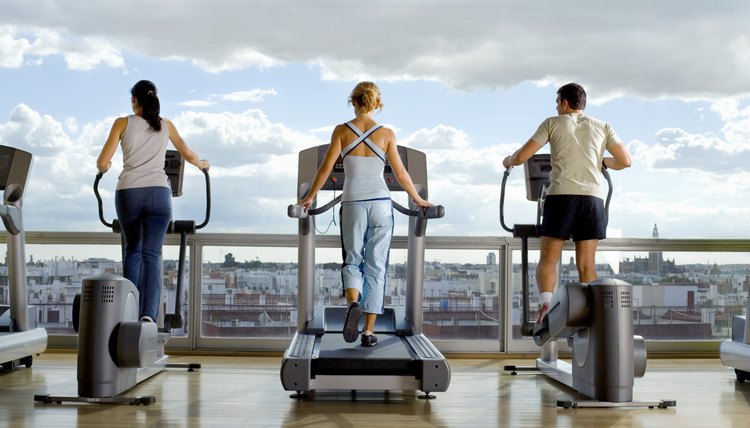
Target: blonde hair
column 366, row 95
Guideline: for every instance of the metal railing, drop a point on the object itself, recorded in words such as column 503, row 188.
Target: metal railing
column 503, row 341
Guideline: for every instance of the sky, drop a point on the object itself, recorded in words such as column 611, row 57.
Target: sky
column 249, row 84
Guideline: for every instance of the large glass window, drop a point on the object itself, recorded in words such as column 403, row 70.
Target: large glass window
column 675, row 295
column 252, row 292
column 55, row 274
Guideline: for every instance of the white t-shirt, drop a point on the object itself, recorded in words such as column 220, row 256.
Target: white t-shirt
column 577, row 145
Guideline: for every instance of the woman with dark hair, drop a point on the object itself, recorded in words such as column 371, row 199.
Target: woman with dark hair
column 143, row 198
column 366, row 209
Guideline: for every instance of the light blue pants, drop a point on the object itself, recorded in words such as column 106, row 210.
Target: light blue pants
column 366, row 231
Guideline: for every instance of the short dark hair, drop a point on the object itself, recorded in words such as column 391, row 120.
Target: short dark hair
column 574, row 94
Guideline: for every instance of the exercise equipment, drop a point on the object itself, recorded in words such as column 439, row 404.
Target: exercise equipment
column 735, row 353
column 318, row 358
column 596, row 319
column 20, row 338
column 117, row 351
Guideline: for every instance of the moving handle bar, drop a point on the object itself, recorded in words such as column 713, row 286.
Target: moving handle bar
column 422, row 214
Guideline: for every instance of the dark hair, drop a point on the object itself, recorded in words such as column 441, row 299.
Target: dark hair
column 574, row 94
column 145, row 93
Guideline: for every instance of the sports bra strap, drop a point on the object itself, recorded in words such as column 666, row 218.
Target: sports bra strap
column 363, row 137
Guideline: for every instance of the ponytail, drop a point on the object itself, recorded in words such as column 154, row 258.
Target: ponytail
column 145, row 93
column 366, row 95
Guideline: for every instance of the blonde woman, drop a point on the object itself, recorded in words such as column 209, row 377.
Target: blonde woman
column 366, row 210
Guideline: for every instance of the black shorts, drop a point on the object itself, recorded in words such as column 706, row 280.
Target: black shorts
column 579, row 216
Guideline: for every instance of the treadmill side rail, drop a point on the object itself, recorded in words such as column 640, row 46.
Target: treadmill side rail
column 295, row 366
column 436, row 373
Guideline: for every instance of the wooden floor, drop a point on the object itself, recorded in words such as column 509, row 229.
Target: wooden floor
column 246, row 391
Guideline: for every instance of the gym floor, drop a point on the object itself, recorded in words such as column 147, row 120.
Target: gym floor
column 242, row 391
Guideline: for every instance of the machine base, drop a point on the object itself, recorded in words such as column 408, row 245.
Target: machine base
column 561, row 372
column 574, row 404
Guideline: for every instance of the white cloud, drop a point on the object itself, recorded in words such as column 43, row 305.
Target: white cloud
column 243, row 140
column 441, row 137
column 658, row 49
column 725, row 154
column 196, row 103
column 80, row 53
column 254, row 95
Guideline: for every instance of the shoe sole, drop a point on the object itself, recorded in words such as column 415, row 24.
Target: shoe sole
column 351, row 325
column 369, row 344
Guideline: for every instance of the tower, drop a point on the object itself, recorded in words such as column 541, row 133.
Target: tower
column 655, row 257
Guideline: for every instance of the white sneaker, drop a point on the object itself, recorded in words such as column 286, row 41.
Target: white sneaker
column 542, row 313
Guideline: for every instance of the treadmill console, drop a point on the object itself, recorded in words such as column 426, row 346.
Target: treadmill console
column 537, row 170
column 336, row 180
column 15, row 166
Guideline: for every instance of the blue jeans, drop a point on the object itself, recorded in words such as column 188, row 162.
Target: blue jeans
column 366, row 231
column 144, row 214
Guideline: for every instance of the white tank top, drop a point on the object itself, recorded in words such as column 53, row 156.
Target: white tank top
column 364, row 174
column 143, row 151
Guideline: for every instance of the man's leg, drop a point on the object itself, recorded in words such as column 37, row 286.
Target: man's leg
column 549, row 258
column 585, row 260
column 546, row 272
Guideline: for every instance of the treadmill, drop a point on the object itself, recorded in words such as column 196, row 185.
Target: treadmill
column 318, row 358
column 20, row 338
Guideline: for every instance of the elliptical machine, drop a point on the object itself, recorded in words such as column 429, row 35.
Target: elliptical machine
column 117, row 351
column 595, row 318
column 735, row 353
column 20, row 338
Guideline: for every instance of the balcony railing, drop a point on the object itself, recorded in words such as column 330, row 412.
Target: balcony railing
column 468, row 308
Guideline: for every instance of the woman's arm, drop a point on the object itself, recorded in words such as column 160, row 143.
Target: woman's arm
column 402, row 175
column 187, row 153
column 334, row 150
column 110, row 146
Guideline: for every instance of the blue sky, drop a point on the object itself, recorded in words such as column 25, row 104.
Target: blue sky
column 250, row 83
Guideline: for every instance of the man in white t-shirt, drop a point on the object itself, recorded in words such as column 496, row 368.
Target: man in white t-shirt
column 574, row 205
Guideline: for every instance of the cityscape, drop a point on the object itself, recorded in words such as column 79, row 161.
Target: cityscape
column 255, row 298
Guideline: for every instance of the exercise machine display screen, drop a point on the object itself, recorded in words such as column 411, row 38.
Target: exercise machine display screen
column 537, row 170
column 174, row 166
column 336, row 179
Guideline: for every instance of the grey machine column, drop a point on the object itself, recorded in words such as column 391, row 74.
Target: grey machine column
column 21, row 338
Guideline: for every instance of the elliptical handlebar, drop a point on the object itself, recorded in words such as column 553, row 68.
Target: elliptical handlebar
column 208, row 200
column 502, row 200
column 605, row 173
column 99, row 200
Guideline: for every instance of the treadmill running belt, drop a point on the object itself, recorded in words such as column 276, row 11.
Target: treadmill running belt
column 389, row 357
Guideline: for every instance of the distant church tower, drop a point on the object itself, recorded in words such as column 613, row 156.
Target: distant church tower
column 655, row 257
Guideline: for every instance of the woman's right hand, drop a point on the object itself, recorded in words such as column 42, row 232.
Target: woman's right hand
column 305, row 203
column 203, row 165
